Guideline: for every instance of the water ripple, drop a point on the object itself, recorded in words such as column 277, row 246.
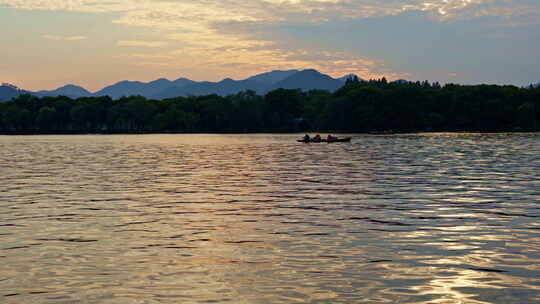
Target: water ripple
column 420, row 218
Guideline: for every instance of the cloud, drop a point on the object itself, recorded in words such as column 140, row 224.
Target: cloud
column 170, row 13
column 150, row 44
column 511, row 13
column 64, row 38
column 189, row 14
column 225, row 32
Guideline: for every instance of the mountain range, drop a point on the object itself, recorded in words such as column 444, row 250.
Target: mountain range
column 8, row 91
column 163, row 88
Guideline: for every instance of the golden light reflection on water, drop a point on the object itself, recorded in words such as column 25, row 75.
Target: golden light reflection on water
column 448, row 288
column 261, row 219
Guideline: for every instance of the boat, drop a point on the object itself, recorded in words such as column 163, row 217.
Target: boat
column 324, row 140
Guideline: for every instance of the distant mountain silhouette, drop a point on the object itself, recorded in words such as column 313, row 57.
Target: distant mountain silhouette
column 225, row 87
column 309, row 80
column 401, row 81
column 7, row 92
column 261, row 83
column 163, row 88
column 271, row 78
column 123, row 88
column 128, row 88
column 69, row 90
column 175, row 88
column 182, row 82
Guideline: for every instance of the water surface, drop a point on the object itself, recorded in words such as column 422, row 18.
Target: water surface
column 425, row 218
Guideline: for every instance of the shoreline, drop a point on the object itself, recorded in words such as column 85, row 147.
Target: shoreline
column 34, row 133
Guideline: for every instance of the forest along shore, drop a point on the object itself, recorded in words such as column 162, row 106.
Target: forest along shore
column 356, row 107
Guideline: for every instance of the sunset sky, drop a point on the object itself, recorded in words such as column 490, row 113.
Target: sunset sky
column 94, row 43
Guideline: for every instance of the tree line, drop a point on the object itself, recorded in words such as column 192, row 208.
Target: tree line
column 359, row 106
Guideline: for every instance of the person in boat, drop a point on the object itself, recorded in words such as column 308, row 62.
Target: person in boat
column 306, row 137
column 317, row 137
column 330, row 137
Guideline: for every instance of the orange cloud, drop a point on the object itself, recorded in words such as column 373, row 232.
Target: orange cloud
column 194, row 34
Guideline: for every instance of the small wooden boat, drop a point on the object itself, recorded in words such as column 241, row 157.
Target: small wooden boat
column 324, row 140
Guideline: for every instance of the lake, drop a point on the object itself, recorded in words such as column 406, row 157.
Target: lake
column 419, row 218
